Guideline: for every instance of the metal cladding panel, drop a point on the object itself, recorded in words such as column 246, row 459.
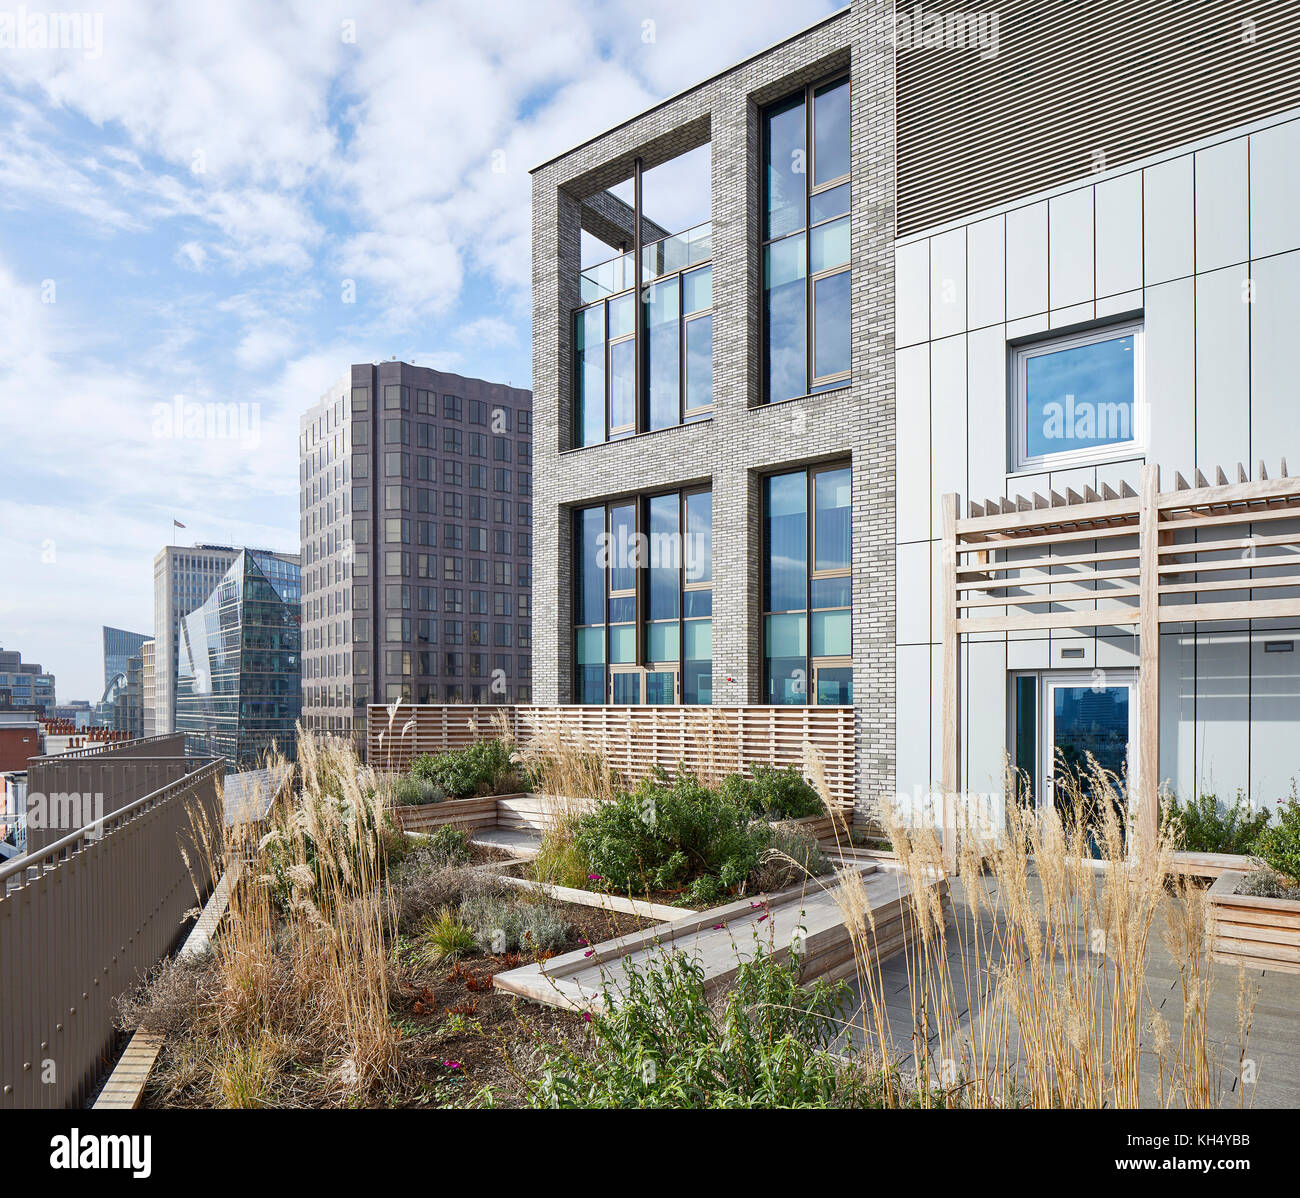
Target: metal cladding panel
column 1065, row 89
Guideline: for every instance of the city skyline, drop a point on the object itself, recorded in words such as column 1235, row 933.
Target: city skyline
column 227, row 197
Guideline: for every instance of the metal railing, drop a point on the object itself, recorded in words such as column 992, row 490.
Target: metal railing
column 67, row 790
column 81, row 919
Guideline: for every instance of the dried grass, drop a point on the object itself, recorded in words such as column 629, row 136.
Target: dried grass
column 1036, row 993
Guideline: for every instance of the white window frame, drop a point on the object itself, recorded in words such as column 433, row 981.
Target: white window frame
column 1045, row 680
column 1021, row 460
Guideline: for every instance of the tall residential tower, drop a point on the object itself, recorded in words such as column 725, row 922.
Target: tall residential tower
column 416, row 524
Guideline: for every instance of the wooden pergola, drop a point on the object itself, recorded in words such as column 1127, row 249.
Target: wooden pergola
column 1123, row 559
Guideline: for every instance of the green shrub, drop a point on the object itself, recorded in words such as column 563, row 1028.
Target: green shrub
column 483, row 768
column 1264, row 883
column 448, row 846
column 513, row 924
column 1205, row 825
column 445, row 938
column 410, row 791
column 771, row 793
column 669, row 836
column 1278, row 845
column 660, row 1044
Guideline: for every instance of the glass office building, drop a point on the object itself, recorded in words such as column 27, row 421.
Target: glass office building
column 239, row 682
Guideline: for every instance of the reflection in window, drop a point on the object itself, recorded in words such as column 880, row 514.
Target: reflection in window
column 643, row 600
column 806, row 299
column 673, row 337
column 808, row 613
column 1078, row 396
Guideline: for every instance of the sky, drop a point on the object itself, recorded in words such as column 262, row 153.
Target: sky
column 230, row 204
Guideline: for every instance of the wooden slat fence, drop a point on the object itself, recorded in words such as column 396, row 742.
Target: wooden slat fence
column 710, row 741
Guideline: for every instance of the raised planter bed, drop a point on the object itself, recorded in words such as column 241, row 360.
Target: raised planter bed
column 1207, row 865
column 1261, row 933
column 462, row 813
column 722, row 937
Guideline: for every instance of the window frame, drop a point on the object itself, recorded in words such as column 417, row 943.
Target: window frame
column 1019, row 459
column 639, row 592
column 816, row 384
column 811, row 575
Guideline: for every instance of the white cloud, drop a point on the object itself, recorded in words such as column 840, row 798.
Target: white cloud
column 488, row 331
column 261, row 159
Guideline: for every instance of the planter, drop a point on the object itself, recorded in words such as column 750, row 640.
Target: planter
column 821, row 827
column 536, row 812
column 1208, row 865
column 462, row 813
column 1259, row 933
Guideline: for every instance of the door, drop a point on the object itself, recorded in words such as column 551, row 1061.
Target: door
column 625, row 687
column 833, row 685
column 633, row 685
column 1087, row 715
column 660, row 685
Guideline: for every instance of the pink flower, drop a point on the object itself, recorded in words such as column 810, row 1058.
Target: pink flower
column 589, row 952
column 582, row 940
column 717, row 927
column 452, row 1064
column 586, row 1017
column 761, row 918
column 594, row 878
column 756, row 906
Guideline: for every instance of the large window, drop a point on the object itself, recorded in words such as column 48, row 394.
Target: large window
column 806, row 276
column 648, row 365
column 643, row 600
column 1077, row 398
column 807, row 602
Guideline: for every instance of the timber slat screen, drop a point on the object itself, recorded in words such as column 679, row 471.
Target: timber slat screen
column 80, row 921
column 633, row 740
column 1121, row 560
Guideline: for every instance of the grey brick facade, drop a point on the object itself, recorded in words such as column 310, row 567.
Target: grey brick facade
column 745, row 439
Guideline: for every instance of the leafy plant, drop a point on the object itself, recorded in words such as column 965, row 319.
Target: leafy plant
column 511, row 924
column 410, row 791
column 1278, row 845
column 1264, row 883
column 661, row 1045
column 483, row 768
column 668, row 836
column 771, row 793
column 1204, row 825
column 448, row 846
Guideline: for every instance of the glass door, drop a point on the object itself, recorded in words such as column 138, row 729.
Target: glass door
column 632, row 685
column 625, row 687
column 1087, row 716
column 661, row 685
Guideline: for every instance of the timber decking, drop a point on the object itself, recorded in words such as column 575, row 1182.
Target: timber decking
column 725, row 936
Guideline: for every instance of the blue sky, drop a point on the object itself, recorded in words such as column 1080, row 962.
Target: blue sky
column 182, row 210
